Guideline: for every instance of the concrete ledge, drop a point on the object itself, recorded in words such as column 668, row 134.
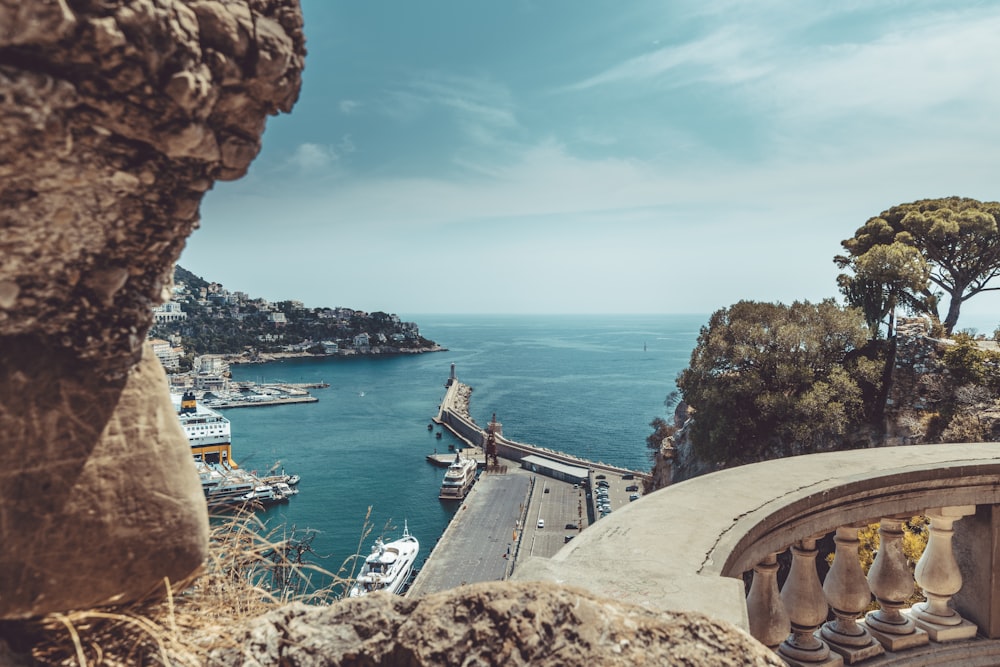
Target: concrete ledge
column 685, row 547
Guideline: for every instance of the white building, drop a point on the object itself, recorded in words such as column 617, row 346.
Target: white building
column 168, row 312
column 214, row 364
column 168, row 355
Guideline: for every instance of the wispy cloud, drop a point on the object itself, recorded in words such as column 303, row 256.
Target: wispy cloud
column 721, row 57
column 478, row 106
column 930, row 62
column 311, row 157
column 348, row 106
column 479, row 99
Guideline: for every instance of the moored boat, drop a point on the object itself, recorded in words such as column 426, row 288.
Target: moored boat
column 459, row 477
column 222, row 480
column 387, row 567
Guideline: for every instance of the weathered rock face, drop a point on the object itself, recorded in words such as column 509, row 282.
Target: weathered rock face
column 98, row 498
column 115, row 118
column 534, row 624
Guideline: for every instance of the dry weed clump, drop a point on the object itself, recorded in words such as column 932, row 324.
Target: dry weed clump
column 250, row 571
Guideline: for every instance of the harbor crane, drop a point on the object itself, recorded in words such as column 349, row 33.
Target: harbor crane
column 490, row 447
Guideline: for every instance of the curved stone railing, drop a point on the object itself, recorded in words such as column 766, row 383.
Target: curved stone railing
column 688, row 546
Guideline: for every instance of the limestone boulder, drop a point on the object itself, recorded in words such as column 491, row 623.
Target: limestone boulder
column 536, row 624
column 115, row 118
column 104, row 504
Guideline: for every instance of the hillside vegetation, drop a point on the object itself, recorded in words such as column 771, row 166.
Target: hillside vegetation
column 768, row 380
column 219, row 321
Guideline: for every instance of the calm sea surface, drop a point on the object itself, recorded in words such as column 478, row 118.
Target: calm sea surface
column 588, row 386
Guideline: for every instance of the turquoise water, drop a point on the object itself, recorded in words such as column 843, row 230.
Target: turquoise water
column 582, row 385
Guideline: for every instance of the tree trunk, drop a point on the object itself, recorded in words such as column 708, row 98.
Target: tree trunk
column 954, row 306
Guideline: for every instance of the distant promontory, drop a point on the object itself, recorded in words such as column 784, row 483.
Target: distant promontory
column 203, row 318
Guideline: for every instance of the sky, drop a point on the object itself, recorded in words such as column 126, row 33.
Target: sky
column 534, row 156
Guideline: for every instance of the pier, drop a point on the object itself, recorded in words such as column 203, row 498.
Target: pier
column 453, row 414
column 251, row 403
column 530, row 505
column 248, row 394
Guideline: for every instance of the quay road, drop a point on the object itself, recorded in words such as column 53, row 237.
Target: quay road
column 475, row 544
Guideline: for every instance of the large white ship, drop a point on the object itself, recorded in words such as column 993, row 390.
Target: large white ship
column 388, row 567
column 210, row 435
column 459, row 478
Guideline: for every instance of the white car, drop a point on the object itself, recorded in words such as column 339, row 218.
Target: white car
column 541, row 523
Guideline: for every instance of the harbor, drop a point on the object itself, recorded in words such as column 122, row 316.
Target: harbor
column 529, row 506
column 335, row 442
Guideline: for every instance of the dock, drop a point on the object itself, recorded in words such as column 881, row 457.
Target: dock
column 453, row 414
column 478, row 543
column 536, row 504
column 282, row 400
column 248, row 394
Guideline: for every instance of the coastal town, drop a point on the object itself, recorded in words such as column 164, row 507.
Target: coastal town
column 205, row 327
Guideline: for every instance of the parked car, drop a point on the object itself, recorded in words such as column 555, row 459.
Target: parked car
column 628, row 476
column 632, row 487
column 568, row 538
column 600, row 477
column 634, row 496
column 541, row 523
column 572, row 526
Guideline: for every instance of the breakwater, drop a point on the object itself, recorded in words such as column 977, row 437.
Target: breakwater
column 453, row 414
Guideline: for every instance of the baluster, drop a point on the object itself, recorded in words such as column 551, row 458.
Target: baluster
column 803, row 598
column 768, row 620
column 847, row 592
column 890, row 580
column 938, row 574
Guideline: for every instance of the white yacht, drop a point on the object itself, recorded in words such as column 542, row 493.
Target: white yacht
column 265, row 494
column 387, row 567
column 459, row 478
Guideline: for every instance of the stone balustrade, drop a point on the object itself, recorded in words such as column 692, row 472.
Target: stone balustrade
column 688, row 547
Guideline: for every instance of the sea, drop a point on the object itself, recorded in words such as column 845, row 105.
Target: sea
column 585, row 385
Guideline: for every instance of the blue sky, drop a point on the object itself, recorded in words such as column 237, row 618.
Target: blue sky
column 601, row 157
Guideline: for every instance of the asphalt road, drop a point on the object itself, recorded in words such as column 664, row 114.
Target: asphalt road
column 473, row 547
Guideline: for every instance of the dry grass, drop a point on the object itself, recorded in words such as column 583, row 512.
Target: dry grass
column 249, row 571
